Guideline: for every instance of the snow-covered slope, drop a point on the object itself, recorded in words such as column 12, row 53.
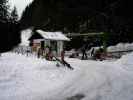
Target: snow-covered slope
column 29, row 78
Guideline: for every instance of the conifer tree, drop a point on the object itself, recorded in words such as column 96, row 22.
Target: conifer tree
column 4, row 10
column 10, row 31
column 14, row 15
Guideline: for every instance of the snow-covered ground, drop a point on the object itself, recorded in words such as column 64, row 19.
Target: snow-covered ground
column 29, row 78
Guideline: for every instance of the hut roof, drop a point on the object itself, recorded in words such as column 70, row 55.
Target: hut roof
column 52, row 35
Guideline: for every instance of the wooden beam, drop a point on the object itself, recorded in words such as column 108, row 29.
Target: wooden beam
column 83, row 34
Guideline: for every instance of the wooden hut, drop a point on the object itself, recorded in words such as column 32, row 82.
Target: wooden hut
column 54, row 40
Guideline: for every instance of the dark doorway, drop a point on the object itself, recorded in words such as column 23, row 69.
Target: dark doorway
column 42, row 44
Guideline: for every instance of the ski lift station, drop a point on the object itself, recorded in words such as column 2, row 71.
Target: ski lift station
column 42, row 39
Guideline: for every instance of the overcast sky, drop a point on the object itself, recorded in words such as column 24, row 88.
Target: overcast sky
column 20, row 4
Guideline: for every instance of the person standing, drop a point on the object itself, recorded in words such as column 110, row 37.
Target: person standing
column 92, row 52
column 39, row 52
column 84, row 54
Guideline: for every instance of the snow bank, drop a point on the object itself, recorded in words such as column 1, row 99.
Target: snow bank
column 126, row 62
column 120, row 47
column 23, row 78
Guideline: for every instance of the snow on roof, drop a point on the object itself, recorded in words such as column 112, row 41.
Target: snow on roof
column 53, row 35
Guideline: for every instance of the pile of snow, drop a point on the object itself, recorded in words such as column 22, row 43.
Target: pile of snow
column 121, row 47
column 23, row 78
column 126, row 62
column 24, row 45
column 25, row 35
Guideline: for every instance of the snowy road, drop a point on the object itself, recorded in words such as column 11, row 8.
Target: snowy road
column 29, row 78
